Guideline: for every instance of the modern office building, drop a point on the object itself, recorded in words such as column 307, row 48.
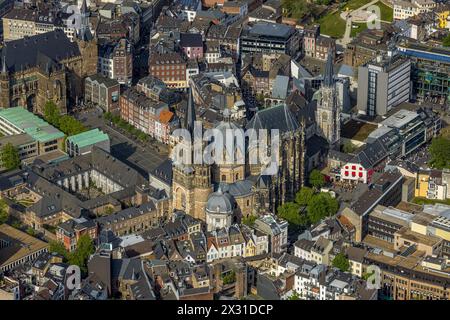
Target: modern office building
column 270, row 38
column 383, row 84
column 409, row 127
column 17, row 120
column 430, row 71
column 26, row 146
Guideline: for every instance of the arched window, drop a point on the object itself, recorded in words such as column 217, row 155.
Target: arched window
column 224, row 177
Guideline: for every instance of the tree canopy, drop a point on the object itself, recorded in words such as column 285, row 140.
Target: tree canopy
column 52, row 113
column 322, row 205
column 341, row 262
column 440, row 153
column 85, row 247
column 318, row 206
column 229, row 278
column 348, row 147
column 297, row 9
column 250, row 220
column 10, row 157
column 290, row 211
column 3, row 211
column 304, row 196
column 58, row 247
column 79, row 257
column 446, row 42
column 316, row 179
column 67, row 124
column 294, row 296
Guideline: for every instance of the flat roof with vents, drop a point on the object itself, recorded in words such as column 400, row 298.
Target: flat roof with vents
column 31, row 124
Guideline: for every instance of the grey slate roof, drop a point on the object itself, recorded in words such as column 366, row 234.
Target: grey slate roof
column 164, row 171
column 371, row 154
column 125, row 214
column 51, row 47
column 277, row 117
column 191, row 40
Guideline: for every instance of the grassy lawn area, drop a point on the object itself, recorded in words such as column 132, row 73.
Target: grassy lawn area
column 355, row 31
column 445, row 132
column 357, row 130
column 419, row 200
column 387, row 13
column 332, row 25
column 355, row 4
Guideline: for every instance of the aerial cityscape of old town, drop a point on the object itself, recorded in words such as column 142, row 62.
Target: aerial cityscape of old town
column 225, row 150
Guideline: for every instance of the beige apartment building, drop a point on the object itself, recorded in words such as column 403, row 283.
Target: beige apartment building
column 20, row 23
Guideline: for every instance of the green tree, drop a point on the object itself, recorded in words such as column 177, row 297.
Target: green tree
column 294, row 296
column 52, row 113
column 229, row 278
column 31, row 231
column 321, row 205
column 348, row 147
column 304, row 196
column 85, row 247
column 341, row 262
column 16, row 224
column 290, row 211
column 446, row 42
column 70, row 126
column 440, row 153
column 58, row 247
column 4, row 215
column 10, row 157
column 316, row 179
column 108, row 211
column 250, row 220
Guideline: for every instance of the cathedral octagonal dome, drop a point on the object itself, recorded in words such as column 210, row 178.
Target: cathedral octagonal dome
column 220, row 202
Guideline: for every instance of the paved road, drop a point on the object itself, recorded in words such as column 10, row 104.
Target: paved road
column 142, row 159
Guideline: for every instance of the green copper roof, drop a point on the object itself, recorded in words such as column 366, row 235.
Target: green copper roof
column 88, row 138
column 29, row 123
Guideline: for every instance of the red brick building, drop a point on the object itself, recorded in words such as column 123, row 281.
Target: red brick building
column 70, row 231
column 146, row 114
column 170, row 68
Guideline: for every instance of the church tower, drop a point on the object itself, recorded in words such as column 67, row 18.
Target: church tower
column 328, row 117
column 4, row 83
column 87, row 44
column 191, row 182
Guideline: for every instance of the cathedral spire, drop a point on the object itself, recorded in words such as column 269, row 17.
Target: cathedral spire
column 84, row 33
column 328, row 76
column 189, row 117
column 83, row 8
column 4, row 62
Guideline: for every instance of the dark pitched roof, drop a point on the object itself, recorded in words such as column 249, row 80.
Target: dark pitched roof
column 278, row 117
column 371, row 154
column 164, row 172
column 191, row 40
column 190, row 117
column 29, row 52
column 125, row 214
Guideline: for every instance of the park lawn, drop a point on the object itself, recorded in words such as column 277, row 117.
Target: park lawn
column 355, row 31
column 420, row 200
column 445, row 132
column 387, row 13
column 355, row 4
column 332, row 25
